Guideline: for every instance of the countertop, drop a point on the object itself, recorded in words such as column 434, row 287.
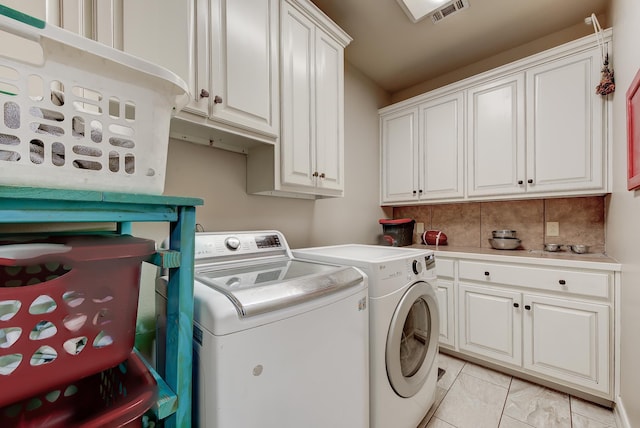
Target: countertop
column 598, row 261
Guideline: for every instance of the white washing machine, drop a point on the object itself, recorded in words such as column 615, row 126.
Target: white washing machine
column 404, row 327
column 278, row 342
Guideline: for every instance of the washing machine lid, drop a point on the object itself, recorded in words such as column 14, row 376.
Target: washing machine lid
column 259, row 288
column 359, row 253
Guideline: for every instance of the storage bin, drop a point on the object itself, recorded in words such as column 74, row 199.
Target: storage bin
column 116, row 397
column 78, row 114
column 398, row 232
column 68, row 308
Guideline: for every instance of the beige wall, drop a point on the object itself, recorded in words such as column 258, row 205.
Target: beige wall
column 623, row 228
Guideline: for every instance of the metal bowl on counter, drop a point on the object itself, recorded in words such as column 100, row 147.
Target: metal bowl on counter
column 504, row 233
column 552, row 247
column 504, row 243
column 579, row 248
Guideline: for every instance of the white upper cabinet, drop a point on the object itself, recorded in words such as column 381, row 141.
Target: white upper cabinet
column 244, row 64
column 495, row 139
column 400, row 158
column 308, row 162
column 312, row 137
column 226, row 51
column 163, row 35
column 566, row 148
column 422, row 152
column 532, row 128
column 441, row 148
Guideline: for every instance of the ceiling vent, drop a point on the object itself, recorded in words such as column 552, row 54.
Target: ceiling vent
column 449, row 9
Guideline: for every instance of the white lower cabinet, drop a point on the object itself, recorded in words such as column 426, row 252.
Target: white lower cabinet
column 490, row 322
column 444, row 293
column 568, row 340
column 549, row 322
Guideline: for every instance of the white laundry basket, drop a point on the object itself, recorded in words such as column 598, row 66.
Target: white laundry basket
column 77, row 114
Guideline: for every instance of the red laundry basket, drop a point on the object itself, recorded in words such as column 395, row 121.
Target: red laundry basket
column 68, row 307
column 116, row 397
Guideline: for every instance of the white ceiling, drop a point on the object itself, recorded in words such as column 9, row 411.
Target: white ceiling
column 398, row 54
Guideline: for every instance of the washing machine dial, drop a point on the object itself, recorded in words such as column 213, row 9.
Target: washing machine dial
column 232, row 243
column 417, row 267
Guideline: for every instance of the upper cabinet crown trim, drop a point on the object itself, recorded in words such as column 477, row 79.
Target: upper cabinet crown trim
column 575, row 46
column 322, row 20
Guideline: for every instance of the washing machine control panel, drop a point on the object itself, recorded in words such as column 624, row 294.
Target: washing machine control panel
column 421, row 268
column 221, row 245
column 417, row 267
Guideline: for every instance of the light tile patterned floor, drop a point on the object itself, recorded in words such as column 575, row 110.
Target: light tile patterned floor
column 470, row 396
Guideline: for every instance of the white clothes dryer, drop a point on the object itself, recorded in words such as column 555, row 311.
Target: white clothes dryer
column 403, row 327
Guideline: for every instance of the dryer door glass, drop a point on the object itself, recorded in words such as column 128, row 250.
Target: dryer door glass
column 415, row 338
column 412, row 342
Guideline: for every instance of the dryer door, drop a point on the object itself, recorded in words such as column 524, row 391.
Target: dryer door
column 412, row 342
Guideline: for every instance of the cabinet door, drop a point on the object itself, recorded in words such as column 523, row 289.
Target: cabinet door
column 444, row 293
column 441, row 148
column 399, row 157
column 163, row 35
column 244, row 61
column 490, row 322
column 329, row 68
column 496, row 137
column 298, row 99
column 568, row 340
column 565, row 137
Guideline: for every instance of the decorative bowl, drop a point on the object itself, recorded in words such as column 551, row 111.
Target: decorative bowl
column 504, row 233
column 552, row 247
column 504, row 243
column 579, row 248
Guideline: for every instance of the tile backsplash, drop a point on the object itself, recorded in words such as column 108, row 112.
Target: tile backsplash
column 580, row 221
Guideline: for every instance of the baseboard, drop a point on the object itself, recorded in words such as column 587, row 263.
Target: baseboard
column 622, row 421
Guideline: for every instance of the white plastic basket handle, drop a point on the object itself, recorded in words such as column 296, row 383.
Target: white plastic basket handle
column 22, row 252
column 30, row 28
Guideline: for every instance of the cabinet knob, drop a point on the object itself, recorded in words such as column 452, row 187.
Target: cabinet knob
column 527, row 307
column 217, row 99
column 315, row 173
column 204, row 93
column 562, row 282
column 516, row 305
column 322, row 175
column 530, row 181
column 414, row 192
column 486, row 273
column 520, row 182
column 420, row 191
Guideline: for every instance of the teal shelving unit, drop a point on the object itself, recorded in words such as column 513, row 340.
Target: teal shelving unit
column 22, row 205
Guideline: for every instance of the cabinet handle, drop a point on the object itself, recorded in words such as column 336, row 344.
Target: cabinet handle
column 322, row 175
column 527, row 307
column 414, row 192
column 486, row 273
column 204, row 93
column 530, row 181
column 562, row 282
column 420, row 191
column 217, row 99
column 315, row 173
column 520, row 182
column 516, row 305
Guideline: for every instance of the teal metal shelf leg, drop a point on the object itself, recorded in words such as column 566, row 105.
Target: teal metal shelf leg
column 180, row 317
